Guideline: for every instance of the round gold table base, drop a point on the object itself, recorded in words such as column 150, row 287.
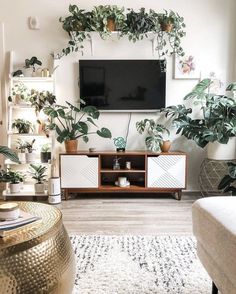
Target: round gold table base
column 41, row 265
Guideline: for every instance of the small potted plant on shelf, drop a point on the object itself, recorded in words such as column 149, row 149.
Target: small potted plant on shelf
column 77, row 25
column 15, row 178
column 173, row 25
column 215, row 127
column 23, row 126
column 39, row 100
column 71, row 123
column 138, row 24
column 38, row 173
column 30, row 155
column 30, row 66
column 21, row 146
column 107, row 18
column 20, row 94
column 155, row 131
column 45, row 154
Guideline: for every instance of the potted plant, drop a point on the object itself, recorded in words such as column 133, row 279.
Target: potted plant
column 154, row 131
column 30, row 66
column 172, row 24
column 107, row 18
column 227, row 184
column 15, row 179
column 71, row 122
column 41, row 99
column 38, row 173
column 216, row 124
column 30, row 155
column 21, row 146
column 23, row 126
column 20, row 94
column 45, row 154
column 77, row 25
column 138, row 24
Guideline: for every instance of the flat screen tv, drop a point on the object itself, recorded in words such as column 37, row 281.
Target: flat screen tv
column 123, row 85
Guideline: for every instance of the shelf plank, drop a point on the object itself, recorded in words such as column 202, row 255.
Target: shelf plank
column 122, row 170
column 37, row 161
column 26, row 135
column 111, row 187
column 32, row 79
column 24, row 192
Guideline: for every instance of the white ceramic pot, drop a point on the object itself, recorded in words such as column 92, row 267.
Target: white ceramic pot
column 21, row 156
column 30, row 157
column 15, row 188
column 218, row 151
column 39, row 188
column 27, row 72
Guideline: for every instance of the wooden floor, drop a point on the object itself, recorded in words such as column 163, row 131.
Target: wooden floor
column 118, row 215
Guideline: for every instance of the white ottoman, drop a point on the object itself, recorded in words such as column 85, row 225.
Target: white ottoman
column 214, row 225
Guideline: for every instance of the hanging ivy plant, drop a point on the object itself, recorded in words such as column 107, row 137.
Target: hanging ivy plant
column 168, row 27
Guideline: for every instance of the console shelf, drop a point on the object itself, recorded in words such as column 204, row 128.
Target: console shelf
column 92, row 172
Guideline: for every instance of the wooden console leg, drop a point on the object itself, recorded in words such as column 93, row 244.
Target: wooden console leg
column 66, row 194
column 179, row 195
column 214, row 289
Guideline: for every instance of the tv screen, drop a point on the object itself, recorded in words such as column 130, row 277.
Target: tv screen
column 123, row 85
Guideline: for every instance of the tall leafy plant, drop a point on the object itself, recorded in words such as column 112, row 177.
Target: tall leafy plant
column 217, row 121
column 71, row 122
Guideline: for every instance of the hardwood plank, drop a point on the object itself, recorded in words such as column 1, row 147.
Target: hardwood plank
column 128, row 215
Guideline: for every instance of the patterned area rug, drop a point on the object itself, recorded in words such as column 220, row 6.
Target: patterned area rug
column 138, row 265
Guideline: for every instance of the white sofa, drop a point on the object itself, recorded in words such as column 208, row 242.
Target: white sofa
column 214, row 225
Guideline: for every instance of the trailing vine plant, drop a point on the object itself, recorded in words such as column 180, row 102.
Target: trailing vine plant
column 168, row 27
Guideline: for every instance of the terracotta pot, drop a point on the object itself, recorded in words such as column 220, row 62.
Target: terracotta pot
column 111, row 25
column 71, row 145
column 167, row 27
column 165, row 146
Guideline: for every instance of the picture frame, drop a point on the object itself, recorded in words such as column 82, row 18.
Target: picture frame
column 186, row 68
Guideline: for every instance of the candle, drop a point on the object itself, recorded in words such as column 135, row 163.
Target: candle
column 9, row 211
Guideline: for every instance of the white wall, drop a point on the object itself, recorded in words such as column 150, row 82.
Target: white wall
column 210, row 38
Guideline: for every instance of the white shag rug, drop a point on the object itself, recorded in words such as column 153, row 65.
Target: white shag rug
column 138, row 265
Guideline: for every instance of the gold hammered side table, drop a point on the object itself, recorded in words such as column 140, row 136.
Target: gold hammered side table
column 40, row 259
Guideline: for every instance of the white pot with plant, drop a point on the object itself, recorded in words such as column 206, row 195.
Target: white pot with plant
column 216, row 125
column 14, row 178
column 30, row 156
column 38, row 173
column 30, row 66
column 154, row 139
column 21, row 146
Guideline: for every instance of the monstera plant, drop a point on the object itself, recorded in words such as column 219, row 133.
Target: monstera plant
column 217, row 120
column 71, row 123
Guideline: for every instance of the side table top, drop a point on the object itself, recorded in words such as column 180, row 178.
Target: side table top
column 29, row 237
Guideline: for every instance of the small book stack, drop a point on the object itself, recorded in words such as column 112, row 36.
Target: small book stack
column 13, row 226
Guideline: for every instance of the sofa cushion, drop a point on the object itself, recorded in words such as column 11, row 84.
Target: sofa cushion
column 214, row 225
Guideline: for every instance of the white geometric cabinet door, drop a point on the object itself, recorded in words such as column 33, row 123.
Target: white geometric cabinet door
column 166, row 171
column 79, row 171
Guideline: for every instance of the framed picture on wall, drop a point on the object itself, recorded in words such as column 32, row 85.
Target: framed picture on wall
column 186, row 68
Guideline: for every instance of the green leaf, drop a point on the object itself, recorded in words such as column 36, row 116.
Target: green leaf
column 104, row 133
column 9, row 154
